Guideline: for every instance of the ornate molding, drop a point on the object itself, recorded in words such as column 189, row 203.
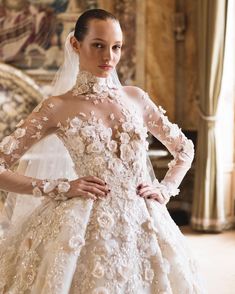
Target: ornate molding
column 125, row 10
column 19, row 94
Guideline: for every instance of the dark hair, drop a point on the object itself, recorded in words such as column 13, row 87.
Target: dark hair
column 82, row 24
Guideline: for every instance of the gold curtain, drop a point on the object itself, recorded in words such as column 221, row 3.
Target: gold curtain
column 208, row 208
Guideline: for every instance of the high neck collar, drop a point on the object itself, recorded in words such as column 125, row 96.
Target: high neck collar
column 87, row 83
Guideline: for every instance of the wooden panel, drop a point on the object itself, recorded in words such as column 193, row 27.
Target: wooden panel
column 160, row 73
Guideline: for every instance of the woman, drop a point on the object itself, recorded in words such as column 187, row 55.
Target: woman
column 107, row 231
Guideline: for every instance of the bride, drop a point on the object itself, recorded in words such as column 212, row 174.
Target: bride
column 107, row 231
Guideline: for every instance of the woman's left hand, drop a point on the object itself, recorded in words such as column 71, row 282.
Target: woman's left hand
column 150, row 192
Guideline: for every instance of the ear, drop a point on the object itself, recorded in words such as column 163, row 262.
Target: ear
column 75, row 44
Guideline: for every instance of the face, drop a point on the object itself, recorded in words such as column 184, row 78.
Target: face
column 100, row 50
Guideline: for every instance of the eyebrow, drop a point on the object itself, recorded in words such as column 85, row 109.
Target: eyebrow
column 99, row 39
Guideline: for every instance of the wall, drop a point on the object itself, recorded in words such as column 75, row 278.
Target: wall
column 160, row 58
column 155, row 52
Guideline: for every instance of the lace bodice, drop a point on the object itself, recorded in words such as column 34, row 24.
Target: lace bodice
column 104, row 128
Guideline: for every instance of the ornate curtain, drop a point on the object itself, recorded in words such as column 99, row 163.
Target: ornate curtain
column 208, row 204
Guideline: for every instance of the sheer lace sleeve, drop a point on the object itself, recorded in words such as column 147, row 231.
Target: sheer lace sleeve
column 40, row 123
column 175, row 141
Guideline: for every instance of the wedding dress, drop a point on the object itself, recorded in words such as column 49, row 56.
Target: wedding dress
column 119, row 244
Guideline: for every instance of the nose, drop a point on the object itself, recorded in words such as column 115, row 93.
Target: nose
column 108, row 54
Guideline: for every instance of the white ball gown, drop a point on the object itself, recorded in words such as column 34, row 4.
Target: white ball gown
column 120, row 244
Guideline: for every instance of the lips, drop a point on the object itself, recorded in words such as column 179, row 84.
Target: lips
column 105, row 66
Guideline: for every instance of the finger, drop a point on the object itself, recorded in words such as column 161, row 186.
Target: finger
column 94, row 180
column 143, row 190
column 84, row 183
column 83, row 194
column 147, row 194
column 86, row 194
column 158, row 198
column 94, row 190
column 142, row 185
column 100, row 187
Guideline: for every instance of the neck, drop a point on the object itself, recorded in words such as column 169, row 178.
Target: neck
column 88, row 83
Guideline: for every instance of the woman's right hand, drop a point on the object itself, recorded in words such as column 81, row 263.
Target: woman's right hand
column 88, row 187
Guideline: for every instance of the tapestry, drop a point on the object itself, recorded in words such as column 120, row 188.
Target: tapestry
column 32, row 31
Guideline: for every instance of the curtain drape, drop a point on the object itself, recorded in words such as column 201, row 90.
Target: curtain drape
column 208, row 202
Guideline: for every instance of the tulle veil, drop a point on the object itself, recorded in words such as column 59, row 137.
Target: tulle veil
column 49, row 158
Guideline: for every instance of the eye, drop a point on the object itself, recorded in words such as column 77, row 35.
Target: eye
column 98, row 45
column 117, row 47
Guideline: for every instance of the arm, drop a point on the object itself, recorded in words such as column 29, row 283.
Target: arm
column 175, row 141
column 40, row 123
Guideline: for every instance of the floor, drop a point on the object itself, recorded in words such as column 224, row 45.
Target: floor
column 216, row 257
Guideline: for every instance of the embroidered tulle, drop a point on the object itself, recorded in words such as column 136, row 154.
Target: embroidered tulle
column 120, row 244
